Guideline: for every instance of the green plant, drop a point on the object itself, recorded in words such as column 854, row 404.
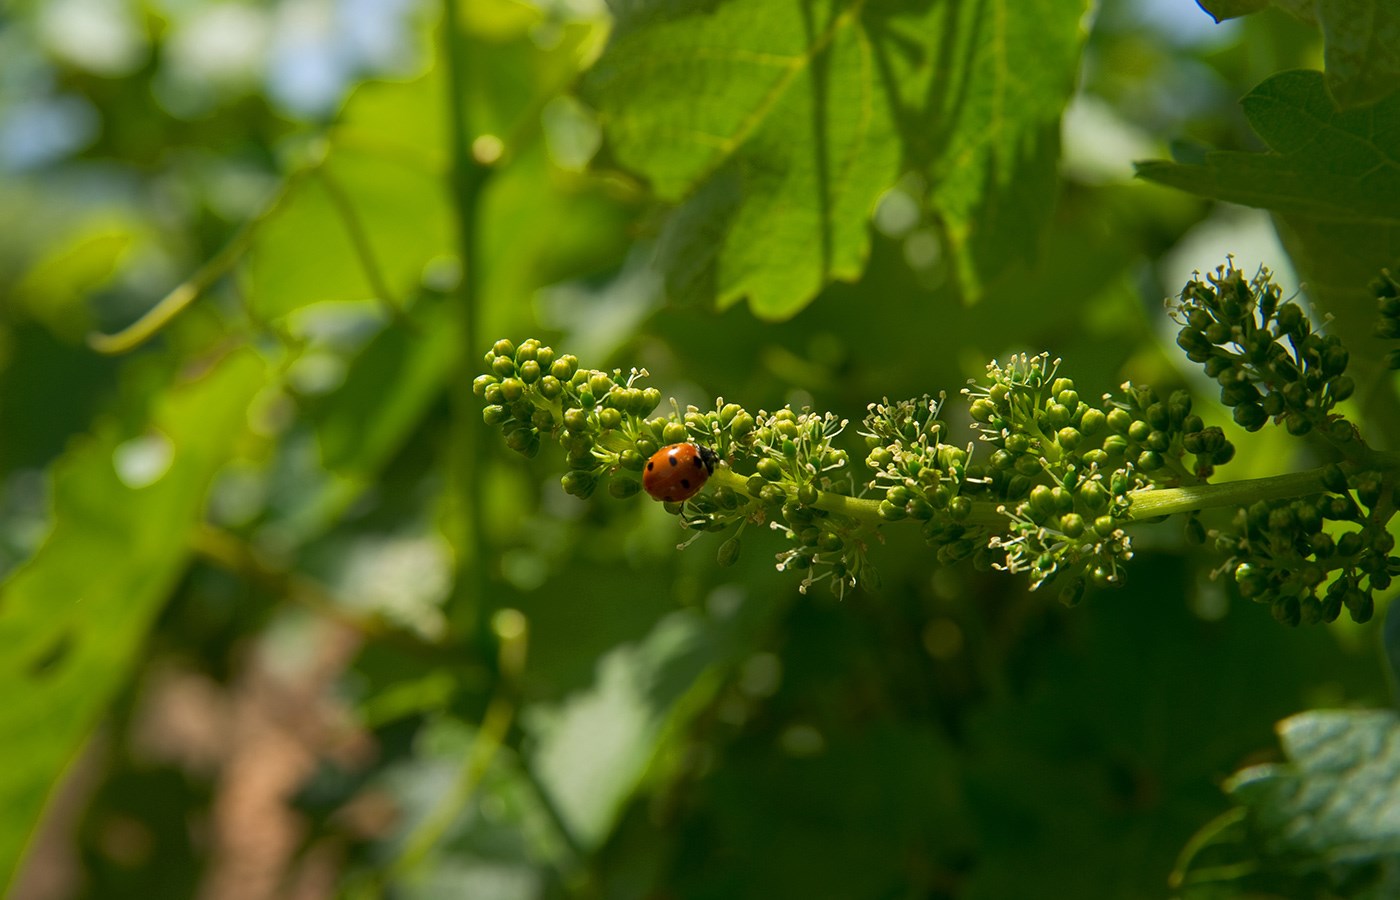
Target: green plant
column 1052, row 485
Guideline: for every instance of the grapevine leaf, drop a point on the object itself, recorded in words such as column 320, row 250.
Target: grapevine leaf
column 1220, row 10
column 1362, row 52
column 374, row 212
column 592, row 750
column 72, row 619
column 1361, row 41
column 1329, row 816
column 1337, row 800
column 775, row 128
column 1325, row 164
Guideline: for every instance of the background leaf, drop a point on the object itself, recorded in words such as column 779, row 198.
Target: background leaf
column 1326, row 817
column 1362, row 42
column 71, row 639
column 776, row 128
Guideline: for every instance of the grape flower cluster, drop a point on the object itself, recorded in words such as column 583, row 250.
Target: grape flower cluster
column 1052, row 482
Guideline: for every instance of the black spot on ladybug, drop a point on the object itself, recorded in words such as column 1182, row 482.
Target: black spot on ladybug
column 650, row 466
column 685, row 482
column 697, row 462
column 672, row 460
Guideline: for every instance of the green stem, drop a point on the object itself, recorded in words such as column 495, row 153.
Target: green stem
column 364, row 249
column 1150, row 503
column 512, row 635
column 468, row 178
column 190, row 290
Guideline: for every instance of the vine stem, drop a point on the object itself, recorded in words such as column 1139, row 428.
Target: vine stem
column 192, row 288
column 1147, row 503
column 467, row 177
column 512, row 634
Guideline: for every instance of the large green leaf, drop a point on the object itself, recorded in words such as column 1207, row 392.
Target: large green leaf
column 592, row 751
column 73, row 618
column 1362, row 40
column 1327, row 818
column 1338, row 797
column 1325, row 164
column 777, row 126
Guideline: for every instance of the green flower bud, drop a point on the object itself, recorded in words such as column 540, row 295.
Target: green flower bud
column 1340, row 388
column 1119, row 420
column 959, row 508
column 1093, row 496
column 1368, row 489
column 503, row 347
column 1150, row 461
column 1360, row 605
column 891, row 512
column 564, row 367
column 623, row 488
column 674, row 433
column 580, row 484
column 1349, row 544
column 728, row 553
column 1194, row 342
column 1286, row 610
column 1094, row 457
column 1103, row 576
column 610, row 419
column 770, row 469
column 1218, row 366
column 1072, row 524
column 494, row 415
column 1289, row 319
column 1029, row 465
column 1250, row 416
column 1068, row 438
column 1139, row 430
column 530, row 371
column 1073, row 592
column 503, row 366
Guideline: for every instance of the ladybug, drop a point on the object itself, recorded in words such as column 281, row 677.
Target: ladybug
column 677, row 472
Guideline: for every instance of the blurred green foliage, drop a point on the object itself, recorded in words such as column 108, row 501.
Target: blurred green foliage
column 253, row 564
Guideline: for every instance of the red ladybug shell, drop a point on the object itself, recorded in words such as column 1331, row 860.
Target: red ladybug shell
column 677, row 472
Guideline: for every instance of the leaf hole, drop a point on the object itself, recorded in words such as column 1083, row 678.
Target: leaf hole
column 45, row 664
